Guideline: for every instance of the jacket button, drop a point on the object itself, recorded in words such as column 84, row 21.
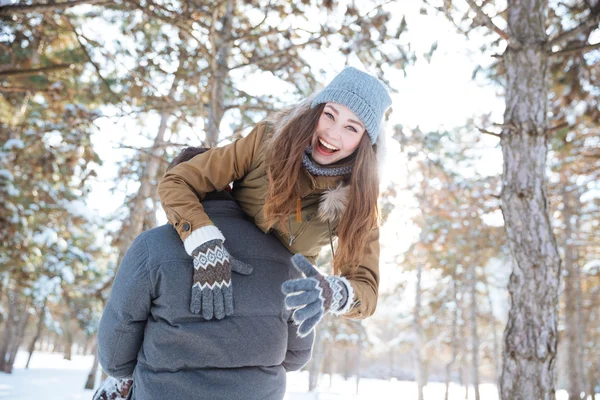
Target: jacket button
column 185, row 227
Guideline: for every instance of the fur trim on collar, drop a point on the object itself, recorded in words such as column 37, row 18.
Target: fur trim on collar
column 333, row 203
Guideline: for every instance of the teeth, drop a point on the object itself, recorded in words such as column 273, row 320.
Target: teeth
column 324, row 143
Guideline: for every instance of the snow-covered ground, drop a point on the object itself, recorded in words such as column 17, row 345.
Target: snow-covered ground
column 49, row 377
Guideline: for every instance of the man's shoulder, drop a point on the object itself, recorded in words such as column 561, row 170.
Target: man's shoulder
column 162, row 244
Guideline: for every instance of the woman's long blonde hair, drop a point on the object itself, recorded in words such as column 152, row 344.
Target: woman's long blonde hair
column 294, row 130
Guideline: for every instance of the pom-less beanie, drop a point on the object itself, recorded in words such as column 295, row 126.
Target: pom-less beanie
column 362, row 93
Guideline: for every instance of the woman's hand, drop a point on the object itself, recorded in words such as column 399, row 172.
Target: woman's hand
column 212, row 294
column 313, row 296
column 114, row 389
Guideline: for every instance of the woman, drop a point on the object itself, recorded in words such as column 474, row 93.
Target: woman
column 307, row 174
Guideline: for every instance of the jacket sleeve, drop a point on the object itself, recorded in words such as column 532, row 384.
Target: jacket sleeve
column 182, row 188
column 365, row 281
column 123, row 321
column 299, row 350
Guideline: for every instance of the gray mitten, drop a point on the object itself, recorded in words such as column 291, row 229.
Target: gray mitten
column 315, row 295
column 212, row 294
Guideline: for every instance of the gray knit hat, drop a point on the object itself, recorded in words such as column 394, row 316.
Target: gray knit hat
column 362, row 93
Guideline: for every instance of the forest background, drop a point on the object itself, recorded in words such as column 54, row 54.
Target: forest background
column 490, row 194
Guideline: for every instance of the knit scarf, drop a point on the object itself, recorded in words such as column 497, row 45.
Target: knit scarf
column 320, row 170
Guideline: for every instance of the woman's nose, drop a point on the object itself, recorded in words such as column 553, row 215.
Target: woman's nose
column 334, row 132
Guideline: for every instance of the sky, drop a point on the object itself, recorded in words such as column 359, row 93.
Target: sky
column 439, row 94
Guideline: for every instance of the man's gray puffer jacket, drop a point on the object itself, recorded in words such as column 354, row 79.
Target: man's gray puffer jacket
column 147, row 328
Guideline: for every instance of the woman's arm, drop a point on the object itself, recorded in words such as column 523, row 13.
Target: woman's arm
column 365, row 281
column 121, row 330
column 183, row 186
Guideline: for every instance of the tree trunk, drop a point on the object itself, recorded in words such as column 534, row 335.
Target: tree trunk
column 17, row 338
column 571, row 303
column 316, row 362
column 418, row 348
column 474, row 336
column 149, row 179
column 592, row 383
column 38, row 332
column 581, row 336
column 68, row 338
column 530, row 339
column 494, row 333
column 454, row 343
column 358, row 356
column 464, row 365
column 7, row 337
column 91, row 379
column 221, row 46
column 347, row 366
column 391, row 363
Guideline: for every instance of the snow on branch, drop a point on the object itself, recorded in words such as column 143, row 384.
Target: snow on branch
column 576, row 49
column 584, row 26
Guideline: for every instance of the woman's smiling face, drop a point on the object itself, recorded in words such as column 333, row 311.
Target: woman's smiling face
column 338, row 134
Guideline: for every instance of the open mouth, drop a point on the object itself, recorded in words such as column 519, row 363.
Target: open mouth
column 325, row 148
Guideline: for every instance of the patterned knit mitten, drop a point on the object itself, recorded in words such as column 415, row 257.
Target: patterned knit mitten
column 114, row 389
column 212, row 294
column 315, row 295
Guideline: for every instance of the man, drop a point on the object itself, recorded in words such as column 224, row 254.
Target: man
column 148, row 330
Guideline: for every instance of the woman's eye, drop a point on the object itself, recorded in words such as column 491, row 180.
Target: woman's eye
column 330, row 115
column 353, row 129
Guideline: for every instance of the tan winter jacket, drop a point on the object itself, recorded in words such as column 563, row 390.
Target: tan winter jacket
column 244, row 162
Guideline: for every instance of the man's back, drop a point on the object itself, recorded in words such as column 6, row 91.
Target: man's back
column 183, row 356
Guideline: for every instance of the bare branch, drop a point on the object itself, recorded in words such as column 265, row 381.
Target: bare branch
column 558, row 127
column 35, row 71
column 505, row 126
column 144, row 151
column 277, row 53
column 40, row 8
column 490, row 133
column 487, row 20
column 89, row 58
column 584, row 26
column 249, row 34
column 576, row 49
column 16, row 89
column 171, row 21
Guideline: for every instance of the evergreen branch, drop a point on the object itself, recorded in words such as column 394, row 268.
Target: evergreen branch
column 41, row 8
column 576, row 49
column 487, row 20
column 35, row 71
column 584, row 26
